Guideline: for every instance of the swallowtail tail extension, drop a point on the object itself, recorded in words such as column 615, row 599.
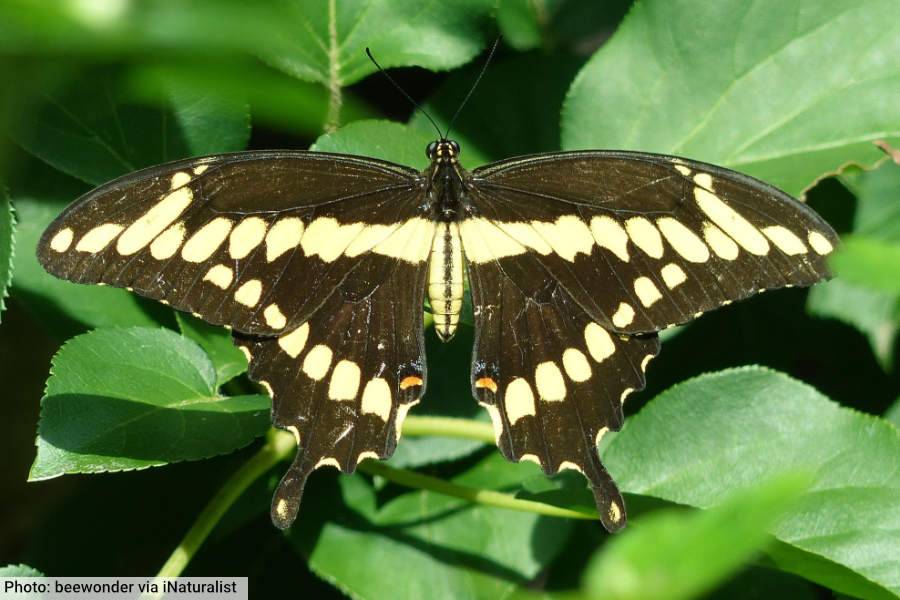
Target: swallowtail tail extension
column 320, row 264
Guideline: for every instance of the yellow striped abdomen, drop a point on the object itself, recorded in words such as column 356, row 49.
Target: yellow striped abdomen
column 445, row 279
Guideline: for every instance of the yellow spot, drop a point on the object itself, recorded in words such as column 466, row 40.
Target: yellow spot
column 180, row 178
column 206, row 241
column 154, row 221
column 246, row 352
column 496, row 420
column 610, row 235
column 274, row 317
column 248, row 234
column 368, row 238
column 721, row 244
column 249, row 293
column 98, row 238
column 268, row 388
column 402, row 409
column 344, row 382
column 293, row 342
column 316, row 363
column 683, row 240
column 484, row 242
column 281, row 508
column 62, row 240
column 568, row 236
column 603, row 431
column 411, row 242
column 410, row 381
column 683, row 170
column 167, row 244
column 819, row 243
column 327, row 239
column 220, row 276
column 614, row 513
column 646, row 291
column 284, row 235
column 645, row 236
column 673, row 275
column 704, row 180
column 785, row 240
column 569, row 465
column 518, row 400
column 599, row 343
column 296, row 433
column 530, row 458
column 625, row 394
column 526, row 235
column 549, row 382
column 200, row 170
column 623, row 316
column 376, row 398
column 486, row 383
column 576, row 365
column 367, row 454
column 731, row 222
column 646, row 361
column 328, row 461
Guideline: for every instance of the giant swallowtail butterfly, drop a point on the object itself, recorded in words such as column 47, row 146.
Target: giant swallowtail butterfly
column 320, row 264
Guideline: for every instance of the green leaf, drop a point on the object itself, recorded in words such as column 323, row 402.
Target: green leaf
column 521, row 22
column 878, row 211
column 893, row 413
column 868, row 261
column 228, row 361
column 426, row 544
column 66, row 307
column 873, row 312
column 784, row 91
column 95, row 133
column 674, row 554
column 122, row 399
column 326, row 41
column 7, row 245
column 19, row 571
column 396, row 142
column 700, row 439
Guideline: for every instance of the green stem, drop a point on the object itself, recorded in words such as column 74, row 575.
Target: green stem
column 277, row 446
column 448, row 427
column 415, row 480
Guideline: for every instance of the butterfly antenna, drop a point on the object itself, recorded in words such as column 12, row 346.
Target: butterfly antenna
column 474, row 85
column 402, row 91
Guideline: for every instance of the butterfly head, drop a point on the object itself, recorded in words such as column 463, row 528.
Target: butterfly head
column 442, row 151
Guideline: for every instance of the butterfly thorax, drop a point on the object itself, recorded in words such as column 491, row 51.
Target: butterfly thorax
column 447, row 197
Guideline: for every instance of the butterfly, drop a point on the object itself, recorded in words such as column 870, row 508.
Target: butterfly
column 320, row 264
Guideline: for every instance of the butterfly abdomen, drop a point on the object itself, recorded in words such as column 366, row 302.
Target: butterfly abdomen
column 445, row 279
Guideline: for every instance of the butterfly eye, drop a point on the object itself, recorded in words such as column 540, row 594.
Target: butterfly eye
column 431, row 149
column 454, row 147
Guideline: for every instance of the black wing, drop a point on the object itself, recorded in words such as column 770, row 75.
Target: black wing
column 577, row 259
column 316, row 261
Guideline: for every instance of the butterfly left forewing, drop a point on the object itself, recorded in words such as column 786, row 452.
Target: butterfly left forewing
column 232, row 237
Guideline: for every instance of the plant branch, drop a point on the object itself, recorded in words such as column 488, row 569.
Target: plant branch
column 278, row 445
column 448, row 427
column 412, row 479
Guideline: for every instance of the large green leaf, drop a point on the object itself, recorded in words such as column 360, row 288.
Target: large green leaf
column 785, row 91
column 65, row 307
column 95, row 133
column 19, row 571
column 122, row 399
column 870, row 262
column 325, row 41
column 674, row 554
column 703, row 438
column 7, row 244
column 228, row 361
column 424, row 545
column 396, row 142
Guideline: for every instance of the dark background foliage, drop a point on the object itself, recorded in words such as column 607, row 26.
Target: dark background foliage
column 801, row 485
